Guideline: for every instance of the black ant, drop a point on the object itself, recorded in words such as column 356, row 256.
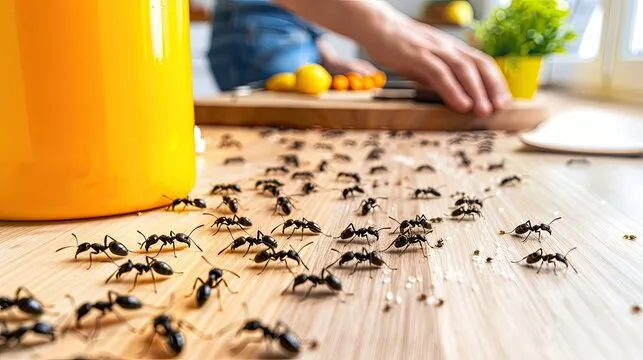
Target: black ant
column 352, row 175
column 305, row 175
column 406, row 240
column 368, row 205
column 324, row 146
column 426, row 142
column 273, row 189
column 302, row 224
column 342, row 157
column 284, row 204
column 114, row 247
column 466, row 211
column 497, row 166
column 371, row 142
column 425, row 167
column 268, row 181
column 351, row 232
column 331, row 281
column 375, row 154
column 234, row 160
column 270, row 254
column 471, row 201
column 114, row 299
column 291, row 160
column 214, row 279
column 225, row 188
column 288, row 340
column 579, row 161
column 309, row 188
column 420, row 222
column 435, row 220
column 27, row 304
column 417, row 193
column 12, row 337
column 538, row 255
column 297, row 145
column 260, row 239
column 163, row 325
column 349, row 142
column 228, row 142
column 323, row 165
column 378, row 169
column 231, row 203
column 373, row 258
column 276, row 170
column 527, row 227
column 172, row 239
column 242, row 222
column 465, row 161
column 510, row 180
column 198, row 203
column 151, row 265
column 350, row 191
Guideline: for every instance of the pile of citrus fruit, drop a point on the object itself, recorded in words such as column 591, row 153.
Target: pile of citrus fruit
column 313, row 79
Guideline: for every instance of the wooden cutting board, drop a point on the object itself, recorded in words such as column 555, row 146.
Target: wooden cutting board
column 357, row 110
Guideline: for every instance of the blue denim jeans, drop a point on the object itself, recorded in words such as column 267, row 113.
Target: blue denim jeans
column 253, row 42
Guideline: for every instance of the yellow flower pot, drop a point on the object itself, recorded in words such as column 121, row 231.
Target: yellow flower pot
column 522, row 75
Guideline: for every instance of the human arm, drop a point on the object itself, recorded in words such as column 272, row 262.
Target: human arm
column 465, row 78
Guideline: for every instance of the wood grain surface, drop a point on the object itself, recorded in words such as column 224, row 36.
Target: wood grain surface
column 357, row 110
column 491, row 310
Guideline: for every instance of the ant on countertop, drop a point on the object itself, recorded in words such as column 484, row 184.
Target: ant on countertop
column 114, row 247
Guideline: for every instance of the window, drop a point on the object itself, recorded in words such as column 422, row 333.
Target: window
column 607, row 56
column 636, row 45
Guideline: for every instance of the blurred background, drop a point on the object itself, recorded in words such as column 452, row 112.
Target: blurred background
column 606, row 58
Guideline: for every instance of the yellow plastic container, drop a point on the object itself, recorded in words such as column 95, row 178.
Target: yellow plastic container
column 522, row 75
column 96, row 109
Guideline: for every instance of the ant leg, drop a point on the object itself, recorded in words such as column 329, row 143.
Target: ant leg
column 124, row 320
column 264, row 267
column 302, row 234
column 407, row 246
column 135, row 279
column 194, row 287
column 288, row 267
column 553, row 262
column 354, row 269
column 247, row 250
column 111, row 276
column 161, row 248
column 174, row 248
column 149, row 345
column 527, row 237
column 310, row 289
column 184, row 323
column 284, row 291
column 219, row 299
column 542, row 262
column 154, row 280
column 538, row 235
column 423, row 252
column 228, row 287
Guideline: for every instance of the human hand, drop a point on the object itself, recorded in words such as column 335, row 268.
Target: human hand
column 464, row 77
column 344, row 66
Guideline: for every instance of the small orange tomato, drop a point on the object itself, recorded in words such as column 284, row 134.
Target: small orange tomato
column 340, row 82
column 353, row 74
column 380, row 79
column 369, row 82
column 356, row 83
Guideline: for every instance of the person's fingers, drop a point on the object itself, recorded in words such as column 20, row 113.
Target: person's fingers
column 493, row 80
column 467, row 73
column 363, row 67
column 437, row 74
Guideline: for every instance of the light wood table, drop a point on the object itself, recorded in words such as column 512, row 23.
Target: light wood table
column 491, row 310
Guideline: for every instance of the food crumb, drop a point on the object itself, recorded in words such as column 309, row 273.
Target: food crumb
column 636, row 309
column 476, row 252
column 398, row 299
column 387, row 308
column 139, row 214
column 314, row 344
column 629, row 237
column 489, row 259
column 422, row 297
column 502, row 232
column 439, row 302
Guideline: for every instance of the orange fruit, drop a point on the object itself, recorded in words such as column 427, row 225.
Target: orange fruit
column 369, row 82
column 380, row 79
column 340, row 82
column 356, row 83
column 313, row 79
column 353, row 74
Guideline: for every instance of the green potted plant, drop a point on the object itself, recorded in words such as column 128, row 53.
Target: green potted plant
column 518, row 37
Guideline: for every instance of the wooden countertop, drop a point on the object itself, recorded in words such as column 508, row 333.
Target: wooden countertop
column 491, row 310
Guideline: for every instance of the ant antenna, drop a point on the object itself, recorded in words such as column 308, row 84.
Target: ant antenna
column 71, row 246
column 209, row 263
column 558, row 218
column 567, row 261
